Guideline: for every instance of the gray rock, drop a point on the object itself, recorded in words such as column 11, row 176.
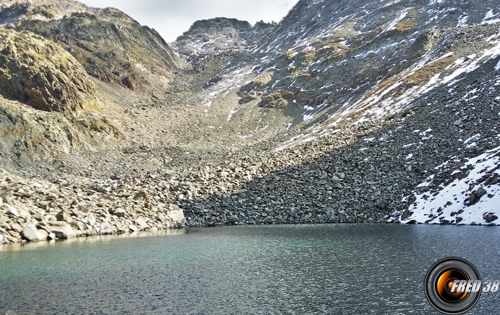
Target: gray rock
column 490, row 217
column 16, row 227
column 86, row 207
column 62, row 230
column 232, row 220
column 141, row 223
column 12, row 212
column 63, row 215
column 32, row 234
column 119, row 212
column 107, row 229
column 336, row 178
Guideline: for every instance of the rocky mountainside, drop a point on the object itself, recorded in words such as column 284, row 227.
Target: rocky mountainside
column 360, row 111
column 220, row 36
column 110, row 45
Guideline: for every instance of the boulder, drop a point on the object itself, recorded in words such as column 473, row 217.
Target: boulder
column 62, row 230
column 107, row 229
column 232, row 220
column 490, row 217
column 119, row 212
column 141, row 223
column 32, row 234
column 176, row 214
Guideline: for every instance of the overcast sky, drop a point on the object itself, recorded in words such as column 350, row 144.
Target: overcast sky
column 173, row 17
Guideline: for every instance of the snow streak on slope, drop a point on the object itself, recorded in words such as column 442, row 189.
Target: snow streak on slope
column 469, row 199
column 398, row 92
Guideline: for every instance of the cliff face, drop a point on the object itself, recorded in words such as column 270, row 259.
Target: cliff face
column 39, row 73
column 81, row 63
column 220, row 36
column 110, row 45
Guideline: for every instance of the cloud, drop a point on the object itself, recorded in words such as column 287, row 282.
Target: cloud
column 172, row 17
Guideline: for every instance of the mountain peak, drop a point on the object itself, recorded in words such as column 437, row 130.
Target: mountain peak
column 220, row 35
column 16, row 10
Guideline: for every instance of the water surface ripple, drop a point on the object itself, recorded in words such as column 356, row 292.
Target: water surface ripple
column 306, row 269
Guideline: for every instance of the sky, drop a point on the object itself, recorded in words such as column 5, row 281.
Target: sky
column 173, row 17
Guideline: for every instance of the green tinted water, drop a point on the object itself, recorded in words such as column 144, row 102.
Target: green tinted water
column 322, row 269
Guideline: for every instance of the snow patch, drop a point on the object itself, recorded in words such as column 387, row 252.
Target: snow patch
column 462, row 21
column 489, row 18
column 452, row 202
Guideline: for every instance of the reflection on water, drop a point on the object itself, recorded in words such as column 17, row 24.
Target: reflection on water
column 321, row 269
column 90, row 240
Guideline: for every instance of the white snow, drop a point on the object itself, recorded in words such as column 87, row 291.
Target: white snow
column 450, row 199
column 432, row 2
column 489, row 15
column 473, row 138
column 497, row 67
column 231, row 114
column 489, row 18
column 462, row 21
column 310, row 112
column 427, row 182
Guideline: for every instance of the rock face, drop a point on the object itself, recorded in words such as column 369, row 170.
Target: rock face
column 17, row 10
column 110, row 45
column 220, row 36
column 41, row 74
column 64, row 104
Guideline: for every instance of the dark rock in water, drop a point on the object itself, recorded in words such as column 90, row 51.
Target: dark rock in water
column 232, row 220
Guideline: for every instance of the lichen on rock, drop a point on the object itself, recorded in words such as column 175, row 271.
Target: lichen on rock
column 41, row 74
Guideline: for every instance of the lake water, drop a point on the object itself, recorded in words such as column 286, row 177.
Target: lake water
column 308, row 269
